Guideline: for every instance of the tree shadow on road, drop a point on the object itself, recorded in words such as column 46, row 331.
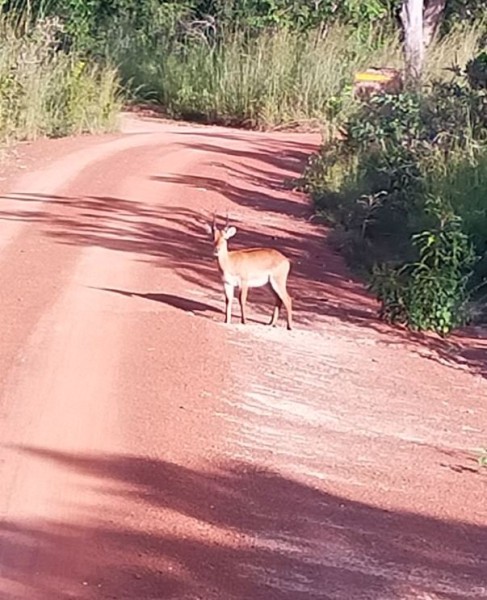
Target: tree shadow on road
column 250, row 182
column 236, row 531
column 174, row 237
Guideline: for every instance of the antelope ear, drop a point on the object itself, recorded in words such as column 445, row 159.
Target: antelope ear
column 230, row 232
column 208, row 228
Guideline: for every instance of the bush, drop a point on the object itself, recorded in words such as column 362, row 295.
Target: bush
column 264, row 77
column 477, row 71
column 407, row 187
column 260, row 63
column 47, row 92
column 431, row 292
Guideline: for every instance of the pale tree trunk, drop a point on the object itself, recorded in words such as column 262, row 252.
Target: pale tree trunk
column 412, row 21
column 433, row 12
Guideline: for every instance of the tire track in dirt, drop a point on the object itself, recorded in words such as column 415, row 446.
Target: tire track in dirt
column 30, row 271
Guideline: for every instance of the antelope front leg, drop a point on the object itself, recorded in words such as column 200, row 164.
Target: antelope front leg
column 228, row 302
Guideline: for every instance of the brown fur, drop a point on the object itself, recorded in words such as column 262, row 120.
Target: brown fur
column 252, row 267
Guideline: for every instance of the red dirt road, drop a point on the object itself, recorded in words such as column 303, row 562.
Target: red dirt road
column 148, row 451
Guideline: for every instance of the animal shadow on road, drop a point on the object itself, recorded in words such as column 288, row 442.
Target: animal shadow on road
column 236, row 531
column 179, row 302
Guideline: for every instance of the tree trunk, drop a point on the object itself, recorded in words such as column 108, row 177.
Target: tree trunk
column 433, row 12
column 412, row 21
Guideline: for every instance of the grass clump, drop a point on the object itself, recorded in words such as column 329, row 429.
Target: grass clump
column 46, row 92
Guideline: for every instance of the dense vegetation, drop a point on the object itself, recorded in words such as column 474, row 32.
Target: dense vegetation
column 260, row 63
column 405, row 185
column 45, row 92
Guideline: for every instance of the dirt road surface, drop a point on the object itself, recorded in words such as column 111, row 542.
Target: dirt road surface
column 148, row 451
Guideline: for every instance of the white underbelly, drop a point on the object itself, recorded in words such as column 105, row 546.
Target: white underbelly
column 236, row 281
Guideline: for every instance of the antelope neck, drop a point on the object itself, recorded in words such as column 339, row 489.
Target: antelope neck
column 223, row 258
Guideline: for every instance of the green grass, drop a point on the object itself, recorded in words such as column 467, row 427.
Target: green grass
column 49, row 93
column 279, row 78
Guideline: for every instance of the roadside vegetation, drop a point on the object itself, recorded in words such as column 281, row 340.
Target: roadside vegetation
column 44, row 92
column 405, row 188
column 403, row 185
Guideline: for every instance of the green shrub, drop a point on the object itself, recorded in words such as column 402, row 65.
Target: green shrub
column 46, row 92
column 430, row 293
column 424, row 258
column 477, row 71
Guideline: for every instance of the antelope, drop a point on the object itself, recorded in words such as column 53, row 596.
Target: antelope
column 250, row 268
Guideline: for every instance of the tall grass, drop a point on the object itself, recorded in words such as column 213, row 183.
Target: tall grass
column 44, row 92
column 277, row 77
column 274, row 78
column 266, row 80
column 454, row 50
